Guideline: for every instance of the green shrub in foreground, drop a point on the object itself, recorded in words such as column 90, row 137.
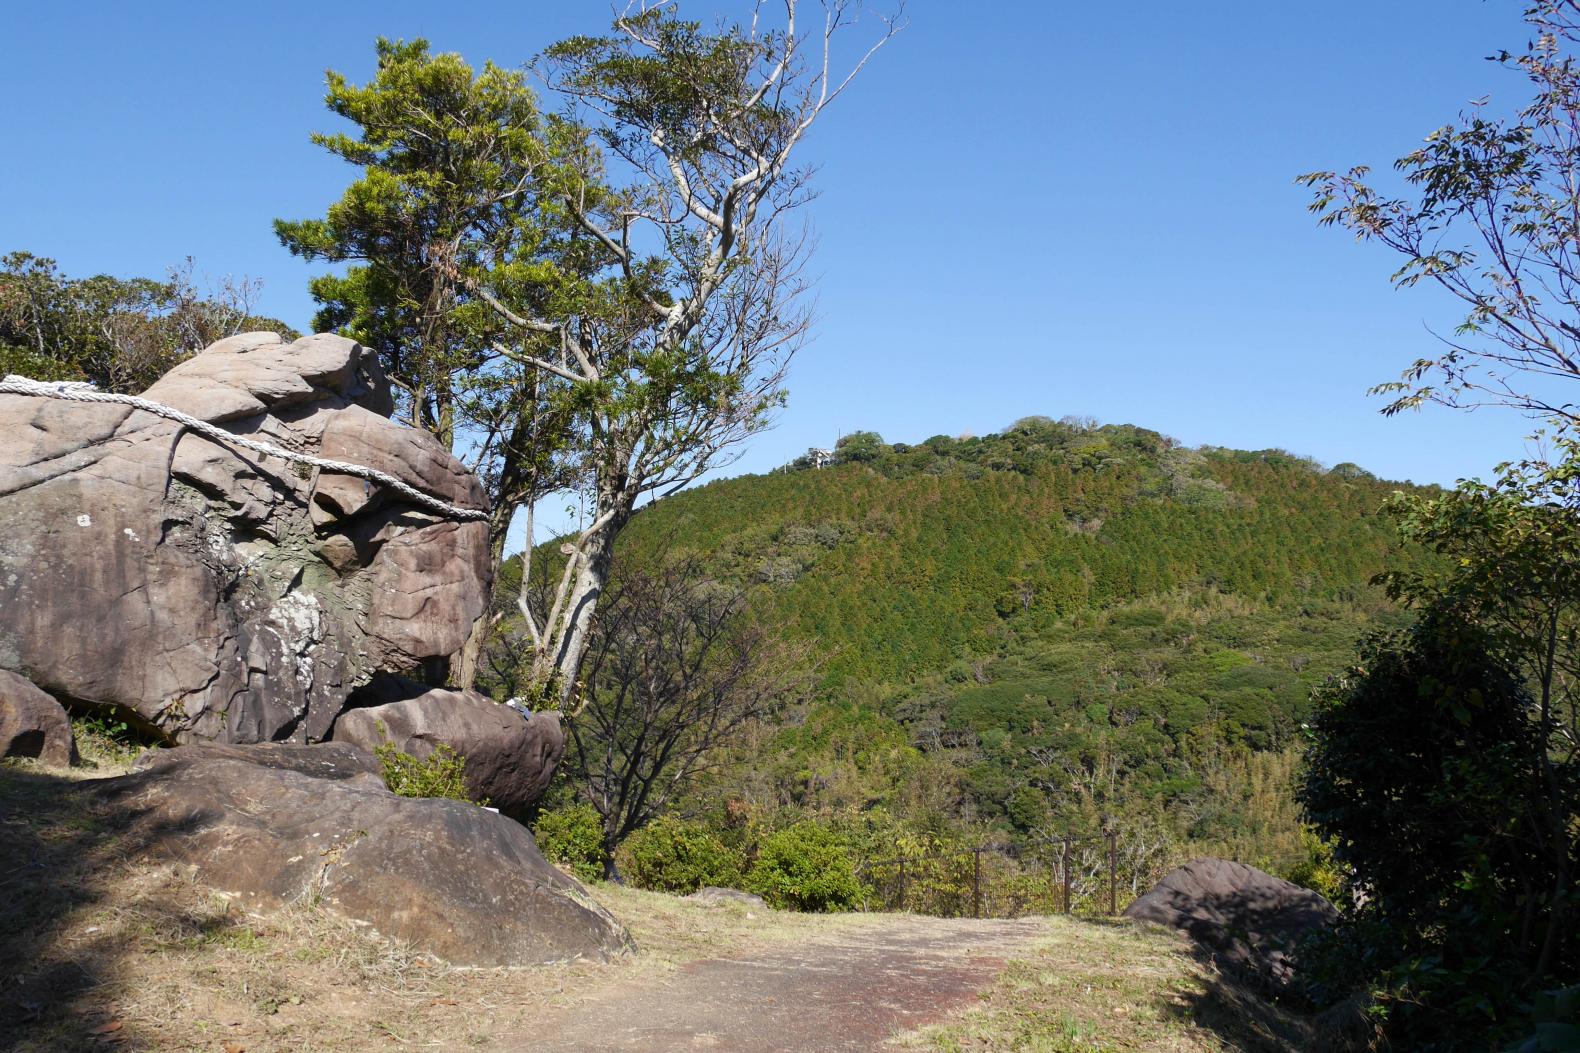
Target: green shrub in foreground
column 808, row 867
column 572, row 837
column 678, row 856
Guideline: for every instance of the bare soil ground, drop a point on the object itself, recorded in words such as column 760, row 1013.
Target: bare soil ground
column 851, row 988
column 99, row 951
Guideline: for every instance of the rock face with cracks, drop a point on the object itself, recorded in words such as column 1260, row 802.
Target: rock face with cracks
column 212, row 594
column 281, row 823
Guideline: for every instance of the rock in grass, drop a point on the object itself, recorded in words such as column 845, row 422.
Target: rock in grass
column 277, row 824
column 713, row 895
column 1248, row 919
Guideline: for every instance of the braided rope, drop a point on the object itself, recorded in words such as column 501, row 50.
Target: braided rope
column 77, row 391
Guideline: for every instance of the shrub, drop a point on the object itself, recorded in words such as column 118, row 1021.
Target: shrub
column 442, row 774
column 805, row 867
column 679, row 856
column 1424, row 774
column 1317, row 870
column 572, row 837
column 105, row 739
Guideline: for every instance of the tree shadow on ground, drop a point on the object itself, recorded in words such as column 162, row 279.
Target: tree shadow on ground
column 1245, row 934
column 1241, row 1017
column 64, row 843
column 1247, row 1019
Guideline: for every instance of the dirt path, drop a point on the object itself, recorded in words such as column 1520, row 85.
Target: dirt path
column 848, row 990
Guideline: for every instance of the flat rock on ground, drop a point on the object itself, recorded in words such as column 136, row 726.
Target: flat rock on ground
column 842, row 992
column 279, row 823
column 714, row 895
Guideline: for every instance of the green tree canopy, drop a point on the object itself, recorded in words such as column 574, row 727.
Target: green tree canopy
column 121, row 334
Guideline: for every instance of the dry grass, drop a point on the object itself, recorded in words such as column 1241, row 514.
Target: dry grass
column 94, row 940
column 1101, row 986
column 99, row 950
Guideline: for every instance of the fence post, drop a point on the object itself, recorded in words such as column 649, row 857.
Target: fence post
column 976, row 882
column 901, row 904
column 1053, row 890
column 1067, row 875
column 1113, row 872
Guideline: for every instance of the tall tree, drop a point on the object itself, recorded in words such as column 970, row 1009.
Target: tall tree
column 1465, row 823
column 452, row 164
column 673, row 345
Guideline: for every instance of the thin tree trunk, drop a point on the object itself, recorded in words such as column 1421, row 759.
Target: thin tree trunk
column 582, row 604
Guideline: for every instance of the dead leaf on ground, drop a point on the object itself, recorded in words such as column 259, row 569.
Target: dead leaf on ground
column 235, row 1047
column 445, row 1001
column 107, row 1029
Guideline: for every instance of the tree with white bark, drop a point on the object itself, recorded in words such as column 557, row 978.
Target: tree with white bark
column 601, row 301
column 670, row 346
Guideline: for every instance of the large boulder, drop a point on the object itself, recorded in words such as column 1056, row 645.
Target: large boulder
column 32, row 724
column 210, row 593
column 282, row 823
column 1247, row 919
column 510, row 758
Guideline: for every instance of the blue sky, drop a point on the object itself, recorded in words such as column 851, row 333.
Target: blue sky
column 1048, row 208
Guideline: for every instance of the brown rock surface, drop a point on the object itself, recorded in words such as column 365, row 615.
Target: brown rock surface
column 32, row 724
column 276, row 823
column 212, row 594
column 509, row 758
column 1248, row 918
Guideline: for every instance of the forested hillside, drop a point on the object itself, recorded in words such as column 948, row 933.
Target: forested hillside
column 1034, row 631
column 903, row 559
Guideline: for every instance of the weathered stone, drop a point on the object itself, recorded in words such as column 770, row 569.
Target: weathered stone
column 1249, row 919
column 211, row 594
column 339, row 761
column 714, row 896
column 32, row 724
column 277, row 824
column 510, row 759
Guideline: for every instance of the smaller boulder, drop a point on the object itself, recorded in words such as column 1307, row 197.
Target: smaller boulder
column 713, row 896
column 282, row 823
column 33, row 724
column 510, row 758
column 1249, row 919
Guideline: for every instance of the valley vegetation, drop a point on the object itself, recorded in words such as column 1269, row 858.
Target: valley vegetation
column 1048, row 632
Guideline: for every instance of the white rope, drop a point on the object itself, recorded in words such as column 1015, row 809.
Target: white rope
column 76, row 391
